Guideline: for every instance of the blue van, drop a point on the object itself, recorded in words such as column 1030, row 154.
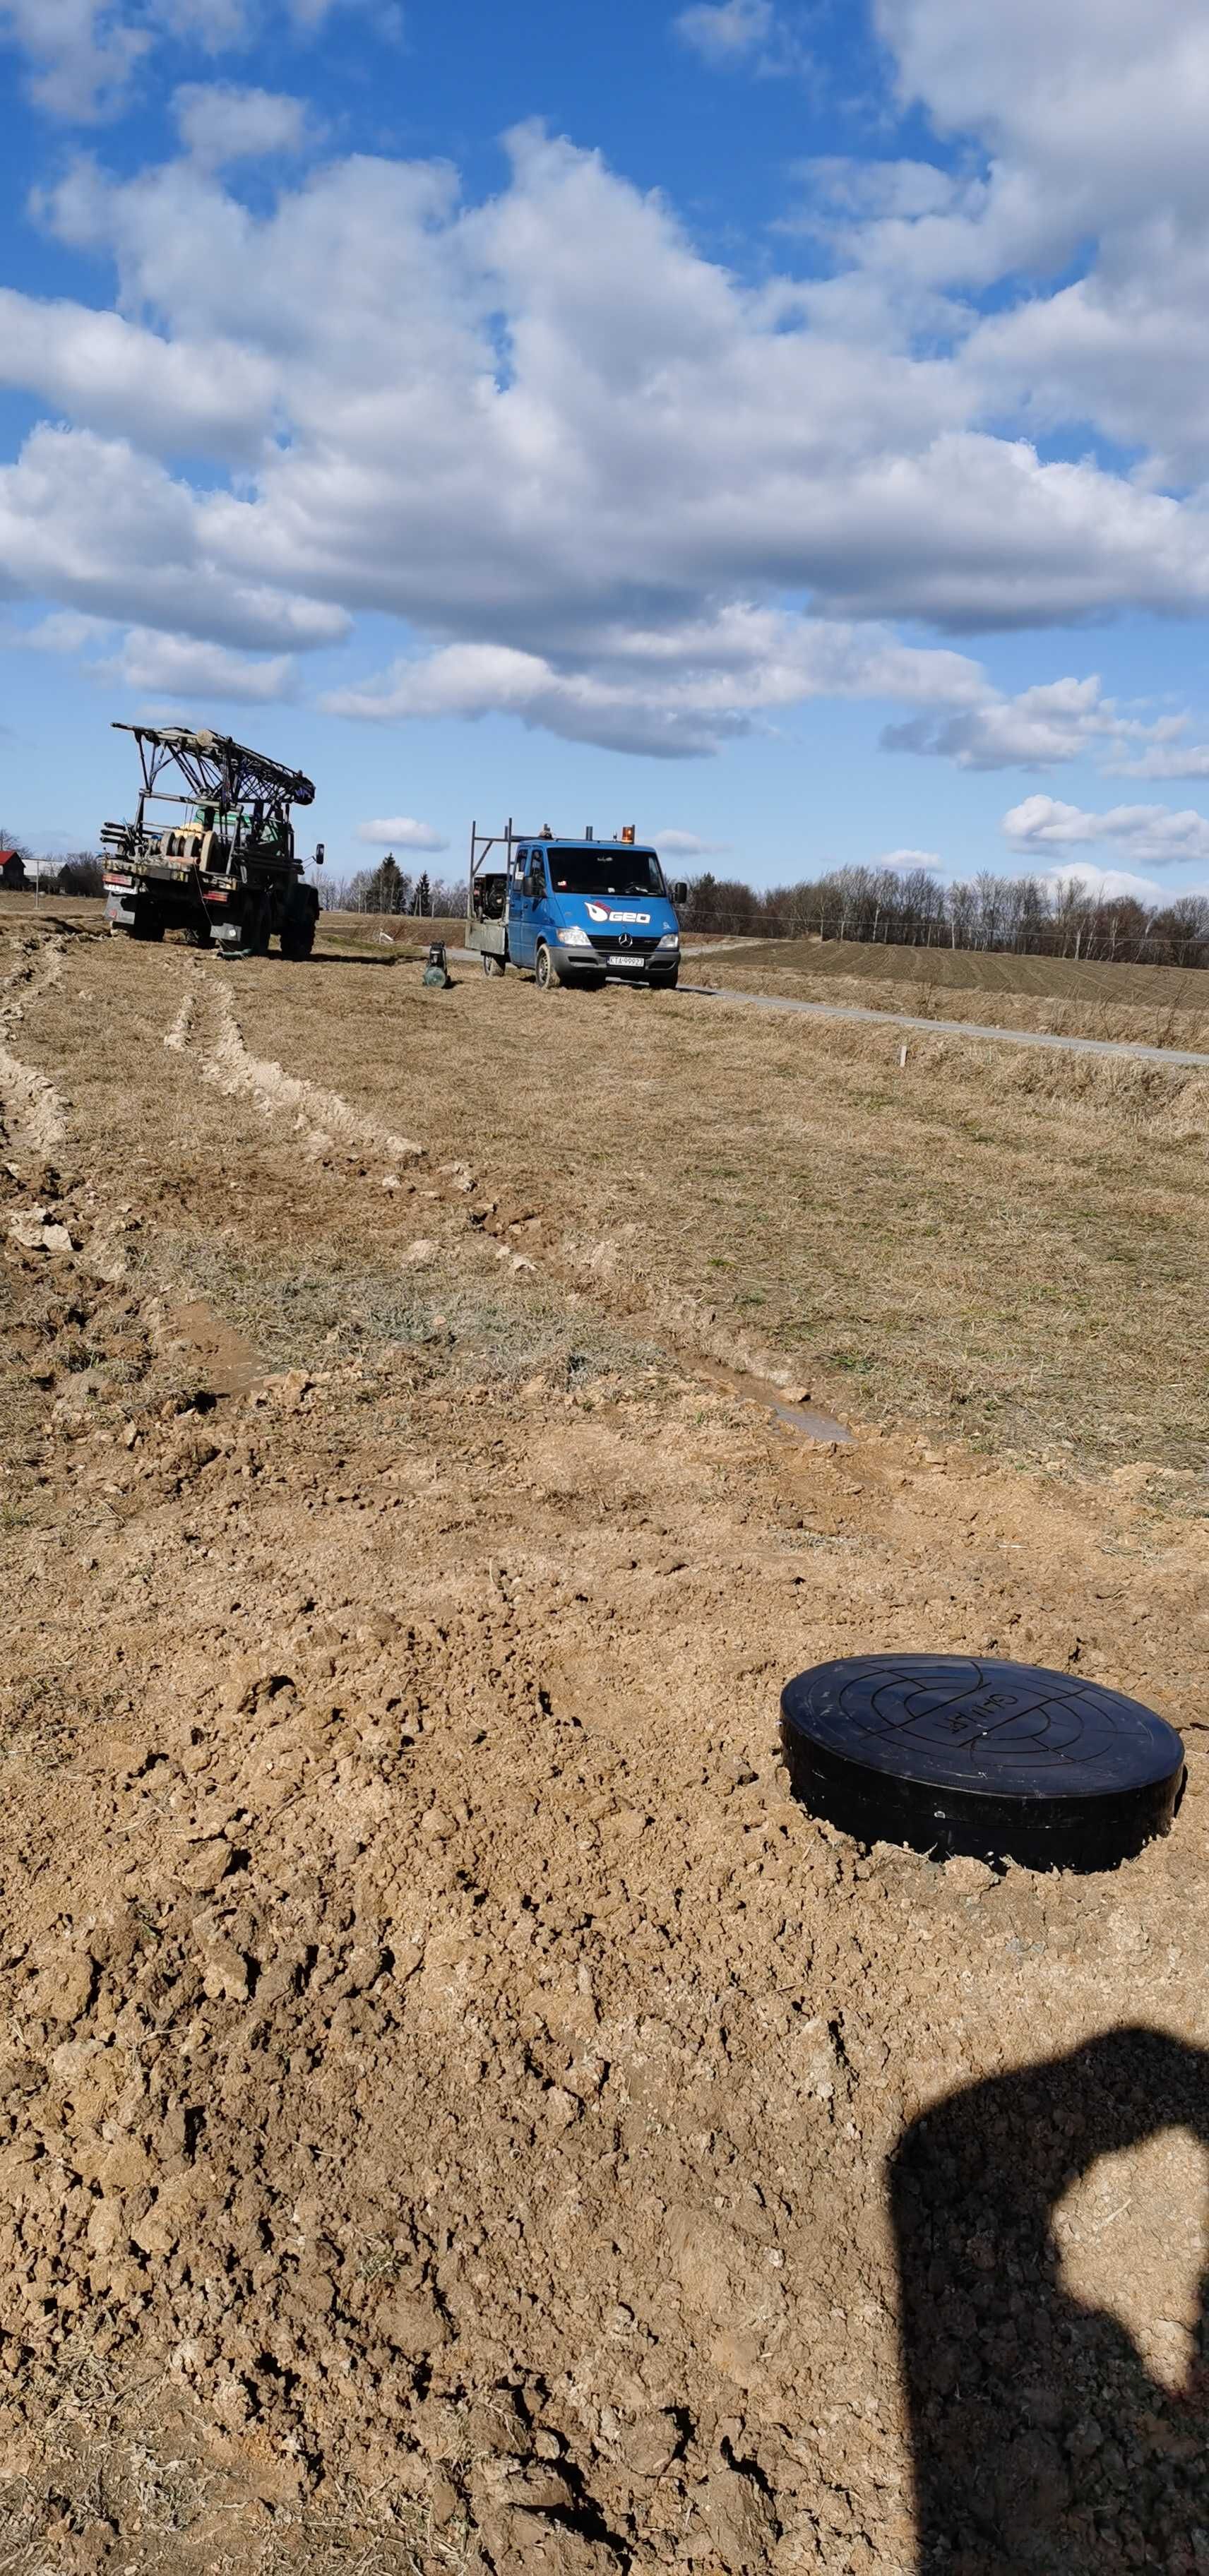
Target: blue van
column 572, row 911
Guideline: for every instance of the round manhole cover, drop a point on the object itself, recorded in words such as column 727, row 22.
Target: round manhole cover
column 949, row 1753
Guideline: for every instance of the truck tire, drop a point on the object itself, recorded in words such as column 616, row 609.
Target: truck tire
column 198, row 935
column 545, row 975
column 147, row 925
column 299, row 914
column 492, row 965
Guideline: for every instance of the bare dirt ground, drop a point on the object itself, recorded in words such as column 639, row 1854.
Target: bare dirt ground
column 455, row 2111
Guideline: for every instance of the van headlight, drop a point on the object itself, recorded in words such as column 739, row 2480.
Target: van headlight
column 573, row 938
column 670, row 939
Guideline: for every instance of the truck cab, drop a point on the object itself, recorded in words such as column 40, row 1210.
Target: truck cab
column 573, row 911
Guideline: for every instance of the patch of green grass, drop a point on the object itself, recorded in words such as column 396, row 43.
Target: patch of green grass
column 381, row 2262
column 460, row 1318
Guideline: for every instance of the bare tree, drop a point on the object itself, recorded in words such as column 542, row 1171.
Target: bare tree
column 82, row 873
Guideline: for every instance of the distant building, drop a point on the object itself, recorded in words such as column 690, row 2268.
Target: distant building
column 12, row 872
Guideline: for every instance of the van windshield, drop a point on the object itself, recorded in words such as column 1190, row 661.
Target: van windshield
column 604, row 871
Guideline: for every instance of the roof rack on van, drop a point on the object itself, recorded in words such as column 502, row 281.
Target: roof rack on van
column 483, row 843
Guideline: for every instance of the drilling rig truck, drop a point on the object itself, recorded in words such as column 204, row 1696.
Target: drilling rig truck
column 226, row 872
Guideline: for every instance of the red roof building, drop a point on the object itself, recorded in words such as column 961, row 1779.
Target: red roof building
column 12, row 871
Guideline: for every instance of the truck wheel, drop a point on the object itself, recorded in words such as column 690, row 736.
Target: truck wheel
column 197, row 935
column 544, row 974
column 298, row 939
column 492, row 965
column 147, row 925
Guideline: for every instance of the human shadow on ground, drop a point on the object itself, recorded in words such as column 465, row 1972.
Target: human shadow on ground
column 1040, row 2440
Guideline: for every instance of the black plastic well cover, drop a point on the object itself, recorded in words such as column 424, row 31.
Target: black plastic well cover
column 951, row 1753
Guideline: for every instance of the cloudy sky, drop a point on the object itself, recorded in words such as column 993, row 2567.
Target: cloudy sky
column 781, row 426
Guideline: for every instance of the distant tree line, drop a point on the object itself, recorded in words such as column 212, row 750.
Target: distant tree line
column 385, row 889
column 1027, row 916
column 81, row 872
column 389, row 889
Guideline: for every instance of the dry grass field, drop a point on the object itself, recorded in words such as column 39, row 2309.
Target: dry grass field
column 375, row 934
column 967, row 970
column 456, row 2112
column 1006, row 1250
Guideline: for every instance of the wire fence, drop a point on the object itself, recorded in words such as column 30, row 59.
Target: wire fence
column 1124, row 949
column 1089, row 942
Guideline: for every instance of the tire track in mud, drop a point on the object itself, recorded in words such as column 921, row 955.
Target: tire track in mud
column 231, row 1069
column 588, row 1272
column 33, row 1114
column 181, row 1031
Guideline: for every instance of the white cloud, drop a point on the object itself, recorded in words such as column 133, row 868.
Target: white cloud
column 1064, row 90
column 206, row 397
column 92, row 524
column 1152, row 833
column 749, row 35
column 904, row 861
column 401, row 832
column 64, row 631
column 1077, row 125
column 1167, row 757
column 483, row 679
column 653, row 430
column 839, row 187
column 184, row 668
column 726, row 31
column 688, row 845
column 1058, row 720
column 580, row 463
column 1105, row 885
column 145, row 659
column 81, row 56
column 672, row 693
column 219, row 123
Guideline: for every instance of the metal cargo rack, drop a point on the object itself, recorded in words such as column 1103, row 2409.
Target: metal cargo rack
column 487, row 895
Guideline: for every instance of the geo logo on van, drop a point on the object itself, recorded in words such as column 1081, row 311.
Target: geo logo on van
column 602, row 912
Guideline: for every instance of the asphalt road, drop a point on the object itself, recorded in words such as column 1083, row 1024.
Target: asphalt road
column 1172, row 1059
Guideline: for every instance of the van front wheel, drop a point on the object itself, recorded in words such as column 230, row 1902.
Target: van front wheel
column 544, row 969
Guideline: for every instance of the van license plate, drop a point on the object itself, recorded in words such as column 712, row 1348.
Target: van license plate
column 625, row 961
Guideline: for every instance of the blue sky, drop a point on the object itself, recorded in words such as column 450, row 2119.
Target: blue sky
column 780, row 427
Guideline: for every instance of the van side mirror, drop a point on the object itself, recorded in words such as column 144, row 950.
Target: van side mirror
column 679, row 893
